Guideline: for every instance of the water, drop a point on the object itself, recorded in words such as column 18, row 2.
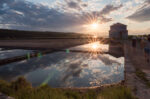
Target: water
column 4, row 54
column 89, row 47
column 61, row 69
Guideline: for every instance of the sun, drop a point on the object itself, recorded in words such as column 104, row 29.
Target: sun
column 94, row 25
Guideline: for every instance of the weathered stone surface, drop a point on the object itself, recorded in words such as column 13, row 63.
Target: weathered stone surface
column 138, row 87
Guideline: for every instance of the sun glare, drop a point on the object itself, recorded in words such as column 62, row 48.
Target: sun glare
column 95, row 36
column 94, row 25
column 95, row 46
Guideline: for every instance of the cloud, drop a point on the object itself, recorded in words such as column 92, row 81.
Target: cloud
column 78, row 5
column 148, row 1
column 105, row 19
column 102, row 15
column 109, row 8
column 20, row 14
column 142, row 14
column 74, row 4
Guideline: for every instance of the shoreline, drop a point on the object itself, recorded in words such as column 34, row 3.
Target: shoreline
column 84, row 89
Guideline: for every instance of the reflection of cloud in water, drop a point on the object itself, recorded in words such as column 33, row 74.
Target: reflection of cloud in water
column 102, row 73
column 108, row 61
column 71, row 69
column 96, row 71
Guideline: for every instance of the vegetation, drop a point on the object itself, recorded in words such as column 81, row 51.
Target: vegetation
column 21, row 89
column 145, row 36
column 117, row 92
column 142, row 76
column 20, row 34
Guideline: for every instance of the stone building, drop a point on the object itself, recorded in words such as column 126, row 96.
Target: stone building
column 118, row 31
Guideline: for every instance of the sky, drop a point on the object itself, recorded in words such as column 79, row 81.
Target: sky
column 75, row 15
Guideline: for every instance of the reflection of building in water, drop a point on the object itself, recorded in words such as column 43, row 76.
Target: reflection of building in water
column 116, row 50
column 118, row 31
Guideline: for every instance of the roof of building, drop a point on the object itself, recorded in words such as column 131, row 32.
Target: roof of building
column 118, row 24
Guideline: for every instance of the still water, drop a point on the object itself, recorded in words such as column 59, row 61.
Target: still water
column 4, row 54
column 67, row 69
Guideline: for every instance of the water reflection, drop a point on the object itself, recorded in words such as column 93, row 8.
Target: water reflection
column 116, row 50
column 96, row 46
column 4, row 54
column 62, row 69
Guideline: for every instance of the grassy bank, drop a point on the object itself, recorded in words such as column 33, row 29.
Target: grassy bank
column 21, row 89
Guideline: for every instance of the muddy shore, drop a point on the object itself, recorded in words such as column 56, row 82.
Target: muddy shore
column 42, row 44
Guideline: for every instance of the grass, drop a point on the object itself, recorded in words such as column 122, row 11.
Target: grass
column 139, row 73
column 21, row 89
column 117, row 92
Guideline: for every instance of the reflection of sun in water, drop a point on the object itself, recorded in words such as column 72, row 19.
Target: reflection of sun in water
column 94, row 46
column 94, row 49
column 95, row 36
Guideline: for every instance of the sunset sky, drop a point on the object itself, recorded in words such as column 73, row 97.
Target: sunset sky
column 85, row 16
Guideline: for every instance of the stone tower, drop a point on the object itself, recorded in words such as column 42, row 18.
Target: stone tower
column 118, row 31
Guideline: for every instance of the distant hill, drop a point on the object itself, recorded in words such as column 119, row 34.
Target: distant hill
column 18, row 34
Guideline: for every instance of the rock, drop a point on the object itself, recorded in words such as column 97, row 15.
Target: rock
column 2, row 96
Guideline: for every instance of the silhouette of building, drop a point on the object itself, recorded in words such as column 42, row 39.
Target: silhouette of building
column 118, row 31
